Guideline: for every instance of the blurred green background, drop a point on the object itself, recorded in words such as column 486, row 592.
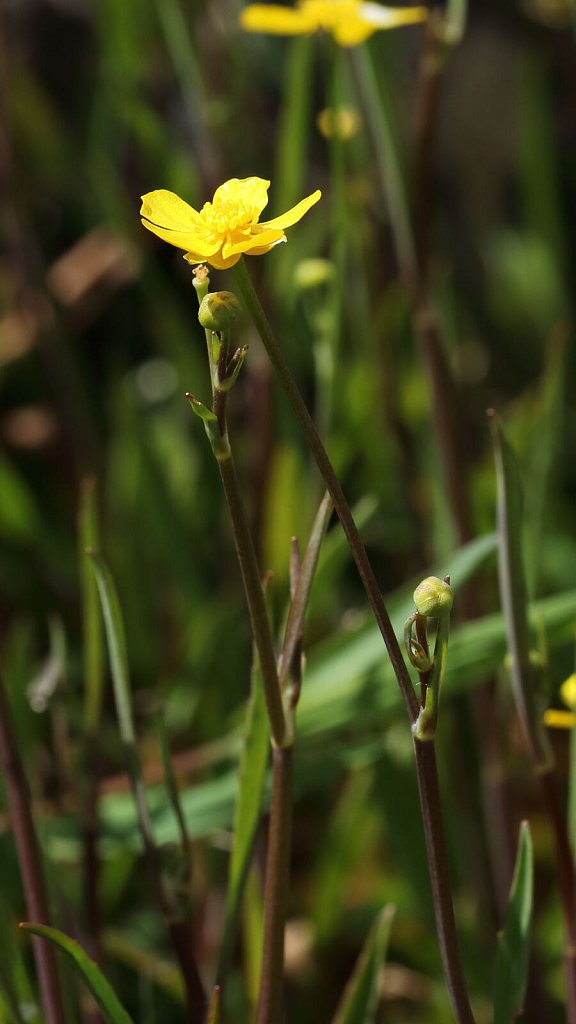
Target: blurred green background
column 101, row 102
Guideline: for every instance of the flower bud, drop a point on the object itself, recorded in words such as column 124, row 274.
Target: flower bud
column 219, row 311
column 433, row 597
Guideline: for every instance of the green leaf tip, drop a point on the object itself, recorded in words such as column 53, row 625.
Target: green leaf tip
column 112, row 1010
column 513, row 952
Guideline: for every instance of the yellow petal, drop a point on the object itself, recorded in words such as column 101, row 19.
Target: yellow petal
column 249, row 192
column 568, row 691
column 295, row 214
column 260, row 250
column 190, row 240
column 215, row 261
column 260, row 239
column 559, row 719
column 275, row 20
column 391, row 17
column 356, row 29
column 167, row 210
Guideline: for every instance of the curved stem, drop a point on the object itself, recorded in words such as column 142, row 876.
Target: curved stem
column 333, row 486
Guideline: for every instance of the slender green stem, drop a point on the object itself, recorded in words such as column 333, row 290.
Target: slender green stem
column 333, row 486
column 20, row 804
column 270, row 1003
column 254, row 597
column 429, row 789
column 281, row 727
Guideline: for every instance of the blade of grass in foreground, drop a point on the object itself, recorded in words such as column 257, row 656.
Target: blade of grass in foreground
column 252, row 775
column 513, row 952
column 513, row 592
column 113, row 1011
column 359, row 1002
column 180, row 930
column 515, row 609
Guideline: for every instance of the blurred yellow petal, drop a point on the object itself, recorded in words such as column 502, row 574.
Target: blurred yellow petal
column 568, row 691
column 559, row 719
column 275, row 20
column 381, row 17
column 286, row 220
column 350, row 21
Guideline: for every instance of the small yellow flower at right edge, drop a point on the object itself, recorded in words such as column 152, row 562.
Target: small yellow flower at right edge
column 557, row 719
column 351, row 22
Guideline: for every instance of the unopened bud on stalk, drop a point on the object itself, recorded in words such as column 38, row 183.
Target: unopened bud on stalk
column 219, row 311
column 433, row 597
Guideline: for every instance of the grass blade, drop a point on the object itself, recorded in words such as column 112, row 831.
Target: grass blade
column 359, row 1002
column 113, row 1011
column 252, row 776
column 92, row 622
column 299, row 604
column 513, row 592
column 512, row 955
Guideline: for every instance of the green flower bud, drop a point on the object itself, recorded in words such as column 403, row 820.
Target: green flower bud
column 219, row 311
column 313, row 273
column 433, row 597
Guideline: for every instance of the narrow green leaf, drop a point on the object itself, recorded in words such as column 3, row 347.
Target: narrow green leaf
column 116, row 646
column 513, row 592
column 299, row 604
column 512, row 954
column 252, row 776
column 116, row 640
column 91, row 615
column 359, row 1001
column 113, row 1011
column 174, row 795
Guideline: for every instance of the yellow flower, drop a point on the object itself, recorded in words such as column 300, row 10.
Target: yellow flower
column 225, row 228
column 564, row 719
column 350, row 21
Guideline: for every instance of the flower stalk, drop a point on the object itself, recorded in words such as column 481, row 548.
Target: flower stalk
column 425, row 751
column 333, row 486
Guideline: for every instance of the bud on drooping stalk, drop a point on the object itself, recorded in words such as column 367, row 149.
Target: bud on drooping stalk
column 433, row 597
column 219, row 311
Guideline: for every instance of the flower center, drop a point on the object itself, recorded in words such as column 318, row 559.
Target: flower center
column 226, row 215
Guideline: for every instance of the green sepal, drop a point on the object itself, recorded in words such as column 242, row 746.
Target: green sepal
column 201, row 410
column 235, row 365
column 218, row 442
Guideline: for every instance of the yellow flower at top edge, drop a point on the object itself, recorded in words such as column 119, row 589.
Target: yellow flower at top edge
column 351, row 22
column 225, row 228
column 557, row 719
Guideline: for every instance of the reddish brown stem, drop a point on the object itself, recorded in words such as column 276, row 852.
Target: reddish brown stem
column 20, row 804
